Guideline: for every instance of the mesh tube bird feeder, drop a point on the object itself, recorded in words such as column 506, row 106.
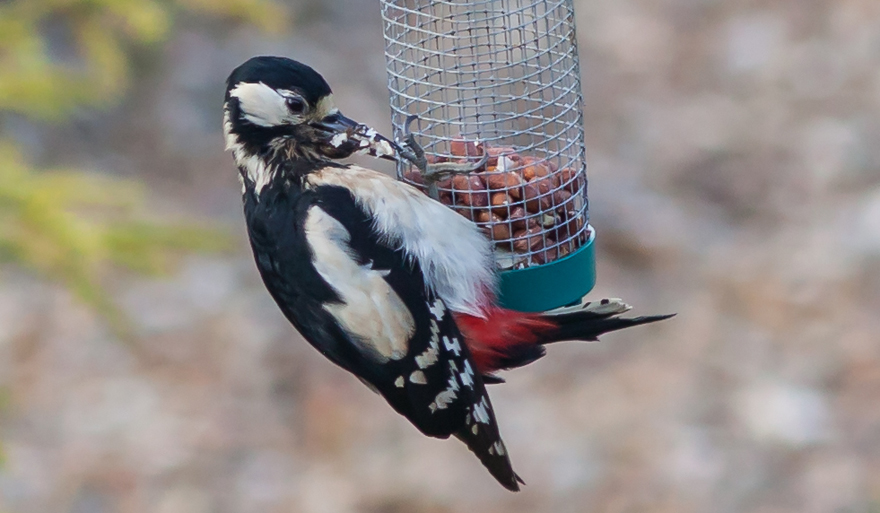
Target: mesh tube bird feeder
column 501, row 77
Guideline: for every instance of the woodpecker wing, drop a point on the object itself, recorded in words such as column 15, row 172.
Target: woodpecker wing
column 366, row 306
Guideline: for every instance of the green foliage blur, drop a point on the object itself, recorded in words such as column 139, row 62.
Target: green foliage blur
column 69, row 224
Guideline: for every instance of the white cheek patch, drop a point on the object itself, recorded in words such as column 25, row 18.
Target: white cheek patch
column 261, row 105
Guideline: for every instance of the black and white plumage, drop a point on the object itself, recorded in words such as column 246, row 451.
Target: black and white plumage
column 343, row 251
column 387, row 283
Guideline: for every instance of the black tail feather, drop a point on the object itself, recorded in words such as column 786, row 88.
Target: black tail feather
column 489, row 448
column 586, row 325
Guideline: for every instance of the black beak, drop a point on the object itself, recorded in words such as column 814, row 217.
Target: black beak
column 336, row 123
column 358, row 137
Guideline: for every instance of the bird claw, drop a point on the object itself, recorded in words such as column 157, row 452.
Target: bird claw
column 433, row 172
column 411, row 150
column 437, row 170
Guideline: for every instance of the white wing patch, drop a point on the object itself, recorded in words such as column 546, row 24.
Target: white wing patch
column 455, row 257
column 371, row 311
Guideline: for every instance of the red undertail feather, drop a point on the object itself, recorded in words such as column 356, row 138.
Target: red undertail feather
column 506, row 339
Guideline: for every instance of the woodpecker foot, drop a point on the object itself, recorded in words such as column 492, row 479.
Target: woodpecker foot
column 434, row 172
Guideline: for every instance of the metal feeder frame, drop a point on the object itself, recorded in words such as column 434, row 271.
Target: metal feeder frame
column 488, row 74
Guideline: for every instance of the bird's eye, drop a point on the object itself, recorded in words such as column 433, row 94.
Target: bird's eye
column 296, row 105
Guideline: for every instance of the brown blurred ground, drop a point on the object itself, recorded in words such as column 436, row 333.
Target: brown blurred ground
column 734, row 152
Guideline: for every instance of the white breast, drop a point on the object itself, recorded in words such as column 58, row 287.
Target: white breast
column 455, row 258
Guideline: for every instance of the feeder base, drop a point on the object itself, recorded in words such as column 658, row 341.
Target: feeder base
column 545, row 287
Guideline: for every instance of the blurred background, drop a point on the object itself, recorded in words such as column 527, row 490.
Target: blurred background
column 734, row 159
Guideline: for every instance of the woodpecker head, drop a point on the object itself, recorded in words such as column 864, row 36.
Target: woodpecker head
column 278, row 109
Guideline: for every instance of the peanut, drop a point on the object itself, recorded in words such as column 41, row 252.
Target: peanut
column 470, row 191
column 500, row 202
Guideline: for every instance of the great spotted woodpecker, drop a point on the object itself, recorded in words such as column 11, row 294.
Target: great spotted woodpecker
column 385, row 282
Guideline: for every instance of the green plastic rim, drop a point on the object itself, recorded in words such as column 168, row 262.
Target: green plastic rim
column 545, row 287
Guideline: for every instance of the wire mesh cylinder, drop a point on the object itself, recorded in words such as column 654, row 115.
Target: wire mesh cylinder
column 501, row 77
